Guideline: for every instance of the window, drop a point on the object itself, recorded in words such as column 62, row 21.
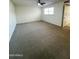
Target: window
column 49, row 11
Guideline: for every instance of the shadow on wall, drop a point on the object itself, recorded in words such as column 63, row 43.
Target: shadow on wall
column 12, row 19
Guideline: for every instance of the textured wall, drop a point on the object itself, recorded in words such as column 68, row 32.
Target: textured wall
column 26, row 14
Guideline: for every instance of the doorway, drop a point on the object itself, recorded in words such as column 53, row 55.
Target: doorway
column 66, row 17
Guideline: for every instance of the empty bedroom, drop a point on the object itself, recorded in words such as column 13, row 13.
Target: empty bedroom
column 38, row 29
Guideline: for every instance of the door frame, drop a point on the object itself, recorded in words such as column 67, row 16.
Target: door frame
column 63, row 16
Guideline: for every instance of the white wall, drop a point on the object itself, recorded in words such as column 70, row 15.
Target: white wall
column 57, row 17
column 26, row 14
column 12, row 19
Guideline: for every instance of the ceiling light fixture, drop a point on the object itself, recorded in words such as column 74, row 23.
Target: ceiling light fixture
column 40, row 4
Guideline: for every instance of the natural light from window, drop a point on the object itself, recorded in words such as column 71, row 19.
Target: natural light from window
column 49, row 11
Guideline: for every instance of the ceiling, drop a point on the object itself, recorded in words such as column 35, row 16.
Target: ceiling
column 33, row 2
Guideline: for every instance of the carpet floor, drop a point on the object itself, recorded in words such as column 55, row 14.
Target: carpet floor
column 39, row 40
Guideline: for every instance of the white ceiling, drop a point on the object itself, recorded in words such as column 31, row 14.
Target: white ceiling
column 33, row 2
